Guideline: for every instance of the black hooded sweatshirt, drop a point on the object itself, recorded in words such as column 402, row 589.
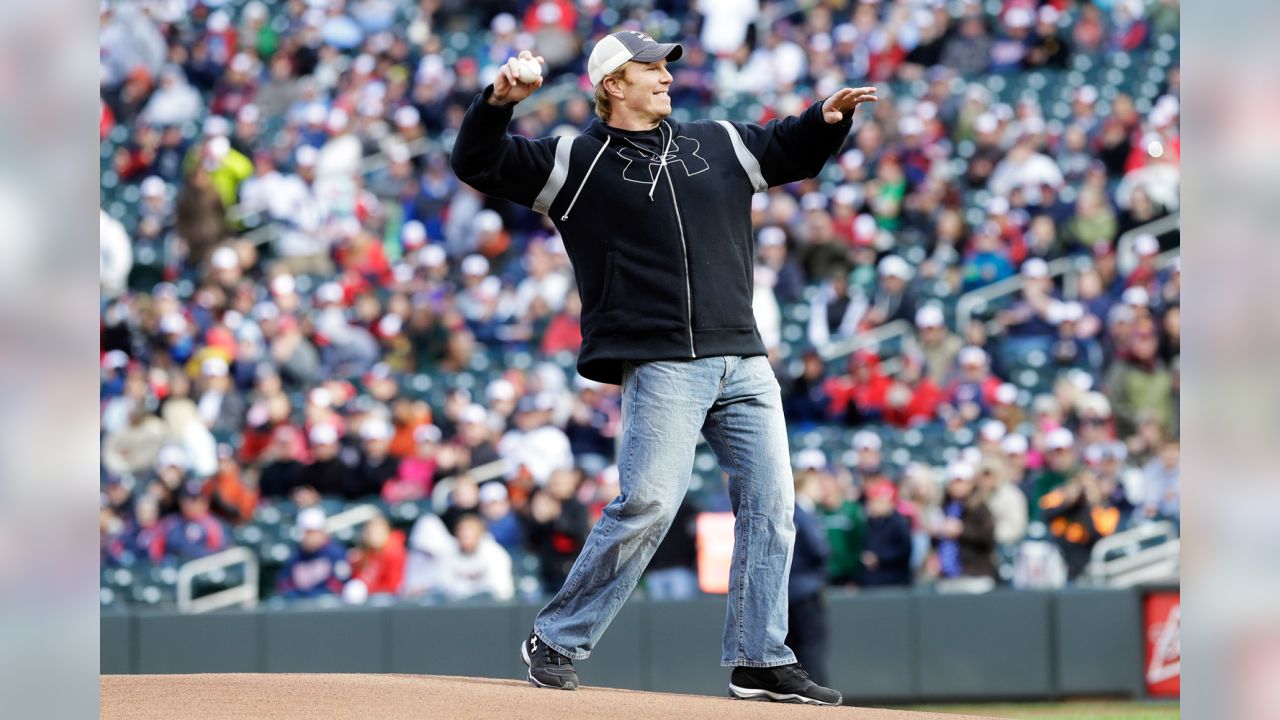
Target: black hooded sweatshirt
column 663, row 253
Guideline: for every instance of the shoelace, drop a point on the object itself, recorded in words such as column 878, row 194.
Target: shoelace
column 798, row 672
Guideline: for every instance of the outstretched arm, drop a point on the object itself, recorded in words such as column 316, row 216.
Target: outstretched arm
column 797, row 147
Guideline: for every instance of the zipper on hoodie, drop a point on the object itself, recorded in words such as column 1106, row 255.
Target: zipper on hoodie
column 688, row 284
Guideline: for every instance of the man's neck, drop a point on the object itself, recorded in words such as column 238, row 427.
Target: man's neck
column 632, row 124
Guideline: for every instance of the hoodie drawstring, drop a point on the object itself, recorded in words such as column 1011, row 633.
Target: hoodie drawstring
column 662, row 162
column 567, row 210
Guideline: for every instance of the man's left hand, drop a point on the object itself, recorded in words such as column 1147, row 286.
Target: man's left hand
column 846, row 100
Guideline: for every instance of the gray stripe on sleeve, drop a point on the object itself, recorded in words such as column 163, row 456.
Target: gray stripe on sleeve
column 749, row 162
column 555, row 181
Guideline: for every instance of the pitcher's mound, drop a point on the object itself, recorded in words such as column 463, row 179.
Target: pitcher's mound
column 388, row 697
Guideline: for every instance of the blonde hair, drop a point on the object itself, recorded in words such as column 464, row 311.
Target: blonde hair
column 604, row 101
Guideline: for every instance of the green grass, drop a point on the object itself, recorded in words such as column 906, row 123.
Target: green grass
column 1084, row 710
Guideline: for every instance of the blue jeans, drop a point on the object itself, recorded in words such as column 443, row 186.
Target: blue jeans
column 676, row 583
column 736, row 403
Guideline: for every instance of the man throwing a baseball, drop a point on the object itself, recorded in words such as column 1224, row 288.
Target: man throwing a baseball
column 655, row 216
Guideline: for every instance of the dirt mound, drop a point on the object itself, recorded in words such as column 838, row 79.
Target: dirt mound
column 377, row 697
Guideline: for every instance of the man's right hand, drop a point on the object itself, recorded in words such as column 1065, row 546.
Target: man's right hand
column 507, row 88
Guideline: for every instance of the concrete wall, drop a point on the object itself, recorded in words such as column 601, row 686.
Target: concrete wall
column 884, row 645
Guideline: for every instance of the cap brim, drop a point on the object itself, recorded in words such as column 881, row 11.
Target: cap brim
column 670, row 52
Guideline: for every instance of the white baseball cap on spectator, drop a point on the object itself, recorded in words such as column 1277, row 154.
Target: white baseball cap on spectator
column 1035, row 268
column 427, row 434
column 894, row 266
column 910, row 125
column 375, row 428
column 320, row 397
column 847, row 195
column 323, row 434
column 503, row 23
column 390, row 325
column 1014, row 444
column 473, row 414
column 1136, row 296
column 224, row 258
column 171, row 456
column 431, row 256
column 865, row 229
column 173, row 324
column 998, row 206
column 330, row 292
column 986, row 123
column 771, row 236
column 992, row 431
column 959, row 471
column 306, row 156
column 972, row 355
column 406, row 116
column 476, row 265
column 413, row 234
column 214, row 367
column 811, row 459
column 487, row 221
column 311, row 519
column 971, row 456
column 216, row 126
column 929, row 316
column 866, row 440
column 1146, row 245
column 500, row 390
column 153, row 186
column 249, row 114
column 364, row 64
column 1095, row 404
column 283, row 285
column 1007, row 394
column 1049, row 15
column 1059, row 438
column 1018, row 17
column 493, row 492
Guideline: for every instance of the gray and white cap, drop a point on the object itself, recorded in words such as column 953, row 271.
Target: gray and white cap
column 613, row 50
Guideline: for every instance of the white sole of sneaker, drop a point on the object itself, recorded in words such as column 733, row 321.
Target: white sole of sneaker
column 742, row 693
column 524, row 655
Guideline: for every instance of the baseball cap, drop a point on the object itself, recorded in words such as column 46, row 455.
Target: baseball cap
column 493, row 492
column 1014, row 444
column 866, row 440
column 811, row 459
column 929, row 316
column 376, row 429
column 427, row 433
column 880, row 491
column 614, row 50
column 311, row 518
column 323, row 435
column 959, row 471
column 1058, row 439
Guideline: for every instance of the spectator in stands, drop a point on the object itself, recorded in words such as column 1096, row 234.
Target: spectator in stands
column 556, row 529
column 415, row 476
column 965, row 534
column 1078, row 516
column 500, row 519
column 281, row 464
column 935, row 343
column 376, row 466
column 1139, row 382
column 134, row 448
column 475, row 565
column 1162, row 491
column 464, row 499
column 231, row 495
column 1006, row 502
column 806, row 607
column 328, row 474
column 808, row 403
column 672, row 573
column 196, row 532
column 378, row 559
column 1061, row 464
column 891, row 300
column 971, row 391
column 860, row 395
column 886, row 558
column 912, row 398
column 318, row 565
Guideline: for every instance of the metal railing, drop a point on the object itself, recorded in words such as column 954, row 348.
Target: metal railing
column 1146, row 553
column 863, row 340
column 245, row 594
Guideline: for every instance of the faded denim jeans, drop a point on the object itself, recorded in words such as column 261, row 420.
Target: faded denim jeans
column 735, row 402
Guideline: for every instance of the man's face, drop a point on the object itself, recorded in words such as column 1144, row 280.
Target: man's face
column 644, row 90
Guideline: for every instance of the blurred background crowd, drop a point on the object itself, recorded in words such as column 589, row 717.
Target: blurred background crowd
column 319, row 345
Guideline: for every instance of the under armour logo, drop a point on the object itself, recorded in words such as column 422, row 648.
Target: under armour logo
column 643, row 167
column 642, row 36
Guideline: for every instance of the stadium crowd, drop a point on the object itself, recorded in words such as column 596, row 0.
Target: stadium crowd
column 302, row 309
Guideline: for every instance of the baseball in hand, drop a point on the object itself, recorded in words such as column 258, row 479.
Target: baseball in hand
column 528, row 71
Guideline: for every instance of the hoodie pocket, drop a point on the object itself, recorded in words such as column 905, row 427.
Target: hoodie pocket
column 610, row 280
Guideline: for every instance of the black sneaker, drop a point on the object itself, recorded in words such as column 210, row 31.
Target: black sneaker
column 785, row 683
column 547, row 668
